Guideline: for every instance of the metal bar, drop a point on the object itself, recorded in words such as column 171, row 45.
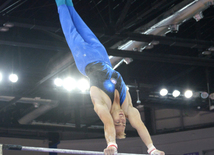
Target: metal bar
column 1, row 152
column 10, row 6
column 123, row 14
column 185, row 60
column 5, row 4
column 52, row 150
column 144, row 15
column 36, row 25
column 33, row 45
column 171, row 41
column 190, row 43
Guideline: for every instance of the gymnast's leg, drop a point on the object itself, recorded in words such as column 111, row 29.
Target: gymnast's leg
column 81, row 27
column 73, row 38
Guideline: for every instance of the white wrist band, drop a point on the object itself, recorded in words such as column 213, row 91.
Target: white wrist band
column 151, row 149
column 112, row 144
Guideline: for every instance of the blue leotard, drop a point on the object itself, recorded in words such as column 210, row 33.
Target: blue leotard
column 88, row 52
column 85, row 46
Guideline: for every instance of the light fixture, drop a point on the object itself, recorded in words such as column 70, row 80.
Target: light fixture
column 58, row 82
column 13, row 78
column 212, row 96
column 206, row 52
column 8, row 24
column 176, row 93
column 204, row 95
column 163, row 92
column 69, row 84
column 1, row 77
column 83, row 85
column 211, row 49
column 188, row 94
column 4, row 29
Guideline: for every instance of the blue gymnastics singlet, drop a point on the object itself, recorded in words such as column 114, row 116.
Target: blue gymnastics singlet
column 84, row 45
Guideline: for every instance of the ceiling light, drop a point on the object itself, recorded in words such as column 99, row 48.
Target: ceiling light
column 8, row 24
column 58, row 82
column 176, row 93
column 212, row 96
column 204, row 95
column 69, row 84
column 13, row 78
column 0, row 77
column 4, row 29
column 206, row 52
column 163, row 92
column 211, row 49
column 188, row 94
column 83, row 85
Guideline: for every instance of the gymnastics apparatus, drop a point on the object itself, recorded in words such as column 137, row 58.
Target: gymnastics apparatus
column 51, row 150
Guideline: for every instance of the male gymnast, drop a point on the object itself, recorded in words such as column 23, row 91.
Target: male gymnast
column 109, row 95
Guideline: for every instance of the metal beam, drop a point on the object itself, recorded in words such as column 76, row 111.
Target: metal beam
column 171, row 41
column 12, row 7
column 144, row 15
column 123, row 14
column 142, row 56
column 5, row 4
column 185, row 60
column 33, row 45
column 33, row 24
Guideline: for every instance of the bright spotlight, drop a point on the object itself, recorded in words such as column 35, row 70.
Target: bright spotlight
column 188, row 94
column 69, row 84
column 58, row 82
column 83, row 85
column 0, row 77
column 13, row 78
column 163, row 92
column 176, row 93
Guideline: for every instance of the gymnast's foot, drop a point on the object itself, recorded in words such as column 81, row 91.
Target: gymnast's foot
column 64, row 2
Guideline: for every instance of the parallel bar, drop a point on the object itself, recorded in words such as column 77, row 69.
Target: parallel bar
column 52, row 150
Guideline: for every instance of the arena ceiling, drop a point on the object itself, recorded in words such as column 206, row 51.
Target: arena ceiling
column 33, row 46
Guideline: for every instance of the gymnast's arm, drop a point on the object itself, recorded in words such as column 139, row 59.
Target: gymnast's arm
column 136, row 122
column 105, row 116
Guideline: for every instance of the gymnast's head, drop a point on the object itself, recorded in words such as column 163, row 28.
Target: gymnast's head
column 119, row 119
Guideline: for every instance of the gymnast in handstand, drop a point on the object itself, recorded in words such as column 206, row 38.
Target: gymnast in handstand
column 109, row 95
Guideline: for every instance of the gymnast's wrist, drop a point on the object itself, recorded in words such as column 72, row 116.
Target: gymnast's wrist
column 151, row 148
column 112, row 145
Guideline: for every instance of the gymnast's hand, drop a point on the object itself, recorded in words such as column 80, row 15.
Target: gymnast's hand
column 157, row 152
column 110, row 150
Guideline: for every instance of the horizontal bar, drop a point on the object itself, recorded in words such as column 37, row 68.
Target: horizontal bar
column 52, row 150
